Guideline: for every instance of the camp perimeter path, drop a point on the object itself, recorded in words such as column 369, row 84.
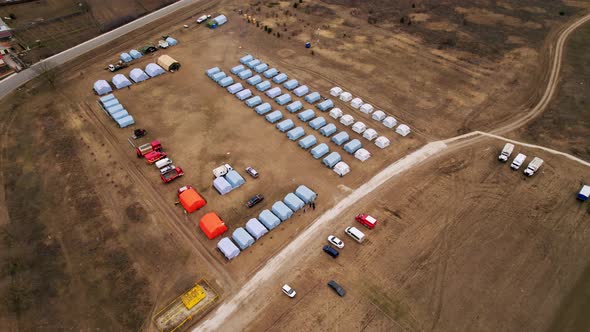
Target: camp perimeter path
column 253, row 289
column 16, row 80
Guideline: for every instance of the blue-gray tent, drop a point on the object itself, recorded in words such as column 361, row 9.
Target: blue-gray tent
column 307, row 195
column 226, row 81
column 274, row 116
column 135, row 54
column 295, row 133
column 285, row 125
column 328, row 129
column 217, row 77
column 114, row 109
column 154, row 70
column 306, row 115
column 269, row 220
column 308, row 141
column 121, row 81
column 271, row 73
column 274, row 92
column 125, row 57
column 244, row 94
column 235, row 70
column 255, row 228
column 332, row 159
column 222, row 186
column 280, row 78
column 313, row 97
column 283, row 99
column 138, row 75
column 281, row 210
column 121, row 114
column 234, row 179
column 263, row 108
column 300, row 91
column 317, row 122
column 254, row 80
column 325, row 105
column 261, row 67
column 171, row 41
column 340, row 138
column 110, row 103
column 263, row 86
column 294, row 106
column 106, row 98
column 320, row 150
column 242, row 238
column 293, row 202
column 235, row 88
column 125, row 121
column 212, row 71
column 246, row 58
column 244, row 74
column 228, row 248
column 253, row 63
column 254, row 101
column 352, row 146
column 101, row 87
column 291, row 84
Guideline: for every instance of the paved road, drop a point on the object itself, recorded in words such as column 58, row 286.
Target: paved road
column 12, row 82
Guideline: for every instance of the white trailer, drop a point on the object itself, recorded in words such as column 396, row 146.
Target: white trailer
column 533, row 166
column 506, row 152
column 518, row 160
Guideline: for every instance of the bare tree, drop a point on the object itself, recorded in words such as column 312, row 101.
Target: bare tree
column 46, row 71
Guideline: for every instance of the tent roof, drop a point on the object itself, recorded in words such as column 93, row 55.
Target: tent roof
column 234, row 179
column 332, row 159
column 121, row 81
column 320, row 150
column 255, row 228
column 138, row 75
column 222, row 186
column 101, row 87
column 295, row 133
column 242, row 238
column 125, row 121
column 268, row 219
column 317, row 122
column 153, row 69
column 191, row 200
column 281, row 210
column 228, row 248
column 166, row 61
column 212, row 225
column 293, row 202
column 328, row 129
column 352, row 146
column 307, row 195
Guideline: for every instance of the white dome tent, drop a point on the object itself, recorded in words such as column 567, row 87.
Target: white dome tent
column 390, row 122
column 378, row 115
column 138, row 75
column 382, row 142
column 370, row 134
column 346, row 97
column 347, row 120
column 362, row 154
column 367, row 108
column 102, row 87
column 336, row 113
column 121, row 81
column 341, row 168
column 335, row 91
column 154, row 70
column 356, row 103
column 403, row 130
column 359, row 127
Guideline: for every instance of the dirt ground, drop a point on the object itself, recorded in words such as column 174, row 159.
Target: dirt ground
column 463, row 243
column 116, row 248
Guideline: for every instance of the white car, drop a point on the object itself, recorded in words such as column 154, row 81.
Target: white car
column 336, row 241
column 290, row 292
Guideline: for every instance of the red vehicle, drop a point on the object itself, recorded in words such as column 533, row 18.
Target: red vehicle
column 144, row 149
column 172, row 174
column 366, row 220
column 152, row 157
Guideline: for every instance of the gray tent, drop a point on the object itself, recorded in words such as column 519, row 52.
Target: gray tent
column 328, row 129
column 294, row 106
column 153, row 70
column 120, row 81
column 212, row 71
column 308, row 141
column 325, row 105
column 306, row 115
column 222, row 186
column 255, row 228
column 295, row 133
column 234, row 179
column 228, row 248
column 300, row 91
column 285, row 125
column 244, row 74
column 352, row 146
column 274, row 116
column 226, row 81
column 263, row 108
column 125, row 121
column 281, row 210
column 254, row 101
column 306, row 194
column 235, row 70
column 280, row 78
column 235, row 88
column 320, row 150
column 332, row 159
column 106, row 98
column 254, row 80
column 293, row 202
column 271, row 73
column 246, row 58
column 291, row 84
column 317, row 122
column 274, row 92
column 312, row 97
column 261, row 67
column 244, row 94
column 263, row 86
column 269, row 220
column 102, row 87
column 340, row 138
column 138, row 75
column 242, row 238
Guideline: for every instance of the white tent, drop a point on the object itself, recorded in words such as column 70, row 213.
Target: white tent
column 370, row 134
column 341, row 168
column 138, row 75
column 390, row 122
column 121, row 81
column 347, row 120
column 346, row 97
column 102, row 87
column 336, row 113
column 356, row 103
column 367, row 108
column 336, row 91
column 228, row 248
column 154, row 70
column 378, row 115
column 362, row 154
column 359, row 127
column 403, row 130
column 382, row 142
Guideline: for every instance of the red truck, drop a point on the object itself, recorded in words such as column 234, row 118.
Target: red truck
column 172, row 174
column 144, row 149
column 366, row 220
column 152, row 157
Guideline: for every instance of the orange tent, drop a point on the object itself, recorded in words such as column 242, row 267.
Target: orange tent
column 191, row 200
column 212, row 225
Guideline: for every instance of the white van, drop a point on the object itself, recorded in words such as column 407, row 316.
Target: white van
column 354, row 233
column 518, row 160
column 163, row 162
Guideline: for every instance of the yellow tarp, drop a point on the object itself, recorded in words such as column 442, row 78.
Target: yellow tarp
column 193, row 296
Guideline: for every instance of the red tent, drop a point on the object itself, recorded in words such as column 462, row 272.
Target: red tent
column 191, row 200
column 212, row 225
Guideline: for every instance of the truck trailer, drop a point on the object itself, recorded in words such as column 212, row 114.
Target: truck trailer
column 533, row 166
column 506, row 152
column 518, row 160
column 144, row 149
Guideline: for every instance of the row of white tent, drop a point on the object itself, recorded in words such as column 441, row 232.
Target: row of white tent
column 377, row 115
column 120, row 81
column 116, row 111
column 256, row 228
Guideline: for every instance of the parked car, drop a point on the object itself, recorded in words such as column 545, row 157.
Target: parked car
column 331, row 251
column 252, row 172
column 337, row 288
column 290, row 292
column 366, row 220
column 336, row 241
column 254, row 200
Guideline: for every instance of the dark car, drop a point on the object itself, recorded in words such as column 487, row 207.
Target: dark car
column 254, row 200
column 331, row 251
column 337, row 288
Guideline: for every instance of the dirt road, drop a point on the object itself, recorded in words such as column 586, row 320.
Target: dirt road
column 290, row 253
